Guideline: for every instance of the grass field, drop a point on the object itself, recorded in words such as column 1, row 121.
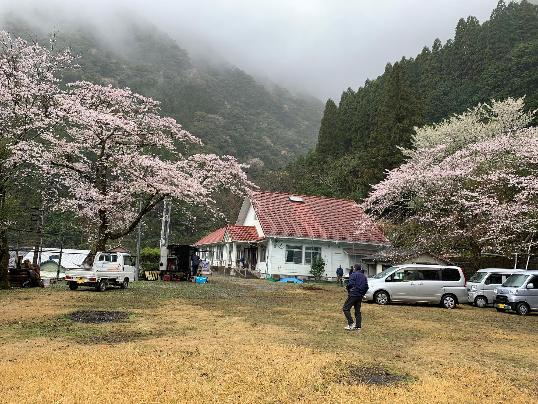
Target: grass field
column 254, row 341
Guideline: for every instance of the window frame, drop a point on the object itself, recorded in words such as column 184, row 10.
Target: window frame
column 311, row 252
column 491, row 275
column 295, row 248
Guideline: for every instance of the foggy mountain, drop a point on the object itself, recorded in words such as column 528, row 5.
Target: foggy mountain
column 232, row 112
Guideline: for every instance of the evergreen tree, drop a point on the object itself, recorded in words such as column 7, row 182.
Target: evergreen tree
column 327, row 131
column 364, row 133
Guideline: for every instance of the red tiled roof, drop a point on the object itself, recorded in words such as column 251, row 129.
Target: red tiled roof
column 242, row 233
column 212, row 238
column 316, row 217
column 236, row 233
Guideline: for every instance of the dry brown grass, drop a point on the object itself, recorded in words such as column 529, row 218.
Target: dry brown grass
column 251, row 341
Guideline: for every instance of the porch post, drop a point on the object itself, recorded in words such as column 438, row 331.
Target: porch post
column 234, row 255
column 268, row 257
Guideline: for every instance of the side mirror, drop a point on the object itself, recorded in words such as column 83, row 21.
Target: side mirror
column 530, row 285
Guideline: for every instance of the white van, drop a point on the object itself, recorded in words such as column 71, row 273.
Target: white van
column 109, row 269
column 481, row 286
column 519, row 293
column 415, row 283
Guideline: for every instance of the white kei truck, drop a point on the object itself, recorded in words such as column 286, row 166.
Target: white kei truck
column 109, row 269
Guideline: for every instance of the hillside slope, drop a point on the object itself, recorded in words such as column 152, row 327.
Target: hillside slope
column 227, row 108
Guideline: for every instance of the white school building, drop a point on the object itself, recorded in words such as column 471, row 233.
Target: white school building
column 280, row 234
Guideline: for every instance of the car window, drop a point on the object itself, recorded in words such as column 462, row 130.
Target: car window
column 412, row 274
column 398, row 276
column 451, row 274
column 515, row 281
column 384, row 273
column 429, row 274
column 478, row 277
column 494, row 279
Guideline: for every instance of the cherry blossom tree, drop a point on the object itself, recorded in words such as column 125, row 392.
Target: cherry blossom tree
column 29, row 87
column 116, row 151
column 469, row 185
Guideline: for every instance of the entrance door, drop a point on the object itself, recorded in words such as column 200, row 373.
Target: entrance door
column 337, row 259
column 252, row 258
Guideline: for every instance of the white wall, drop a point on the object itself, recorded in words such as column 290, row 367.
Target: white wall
column 332, row 253
column 252, row 220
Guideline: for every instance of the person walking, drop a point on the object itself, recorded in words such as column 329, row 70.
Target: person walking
column 339, row 275
column 356, row 288
column 195, row 262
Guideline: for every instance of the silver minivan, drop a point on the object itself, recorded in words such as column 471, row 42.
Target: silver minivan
column 481, row 287
column 415, row 283
column 519, row 293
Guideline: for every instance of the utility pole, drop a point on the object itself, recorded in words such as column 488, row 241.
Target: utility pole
column 528, row 256
column 37, row 215
column 165, row 232
column 138, row 243
column 60, row 260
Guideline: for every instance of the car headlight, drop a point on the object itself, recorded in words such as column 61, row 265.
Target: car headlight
column 473, row 287
column 495, row 290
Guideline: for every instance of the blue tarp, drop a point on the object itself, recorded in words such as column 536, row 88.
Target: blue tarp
column 291, row 280
column 200, row 279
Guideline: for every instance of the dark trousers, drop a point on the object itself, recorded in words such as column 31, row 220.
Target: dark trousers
column 353, row 301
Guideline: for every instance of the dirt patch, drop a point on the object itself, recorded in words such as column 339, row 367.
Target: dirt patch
column 374, row 375
column 311, row 287
column 97, row 317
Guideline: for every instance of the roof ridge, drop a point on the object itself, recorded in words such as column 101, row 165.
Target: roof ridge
column 306, row 196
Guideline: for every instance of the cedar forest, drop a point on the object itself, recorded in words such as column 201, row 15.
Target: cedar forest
column 359, row 138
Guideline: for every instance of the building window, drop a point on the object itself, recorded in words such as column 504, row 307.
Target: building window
column 219, row 252
column 263, row 253
column 310, row 253
column 294, row 254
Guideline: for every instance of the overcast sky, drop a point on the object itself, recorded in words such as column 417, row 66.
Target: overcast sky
column 317, row 46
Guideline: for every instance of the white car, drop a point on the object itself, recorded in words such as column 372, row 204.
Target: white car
column 109, row 269
column 481, row 287
column 415, row 283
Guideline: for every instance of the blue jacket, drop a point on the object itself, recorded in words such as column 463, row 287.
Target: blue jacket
column 339, row 271
column 357, row 285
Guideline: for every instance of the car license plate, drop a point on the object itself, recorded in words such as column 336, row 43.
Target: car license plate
column 501, row 306
column 81, row 280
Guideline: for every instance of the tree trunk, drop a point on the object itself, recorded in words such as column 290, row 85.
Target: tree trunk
column 99, row 246
column 39, row 238
column 4, row 259
column 475, row 256
column 4, row 246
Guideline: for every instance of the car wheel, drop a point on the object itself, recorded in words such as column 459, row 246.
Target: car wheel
column 449, row 301
column 522, row 309
column 382, row 297
column 481, row 301
column 73, row 285
column 101, row 286
column 125, row 283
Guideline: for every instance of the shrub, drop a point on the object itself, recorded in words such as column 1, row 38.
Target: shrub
column 149, row 259
column 317, row 268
